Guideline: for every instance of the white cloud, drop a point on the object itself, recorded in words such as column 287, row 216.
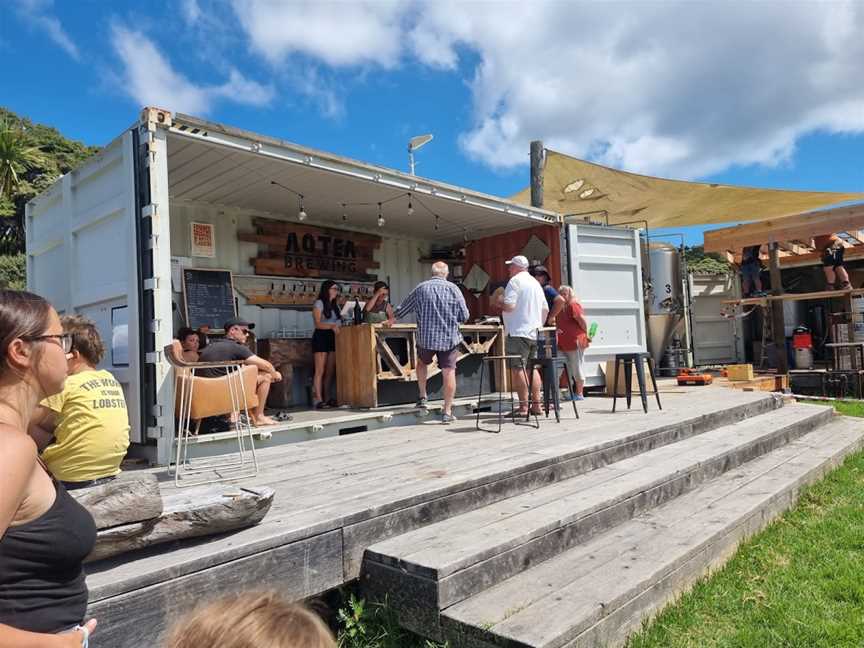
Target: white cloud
column 336, row 33
column 37, row 13
column 190, row 11
column 150, row 80
column 675, row 88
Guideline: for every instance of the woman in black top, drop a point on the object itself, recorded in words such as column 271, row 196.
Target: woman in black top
column 44, row 533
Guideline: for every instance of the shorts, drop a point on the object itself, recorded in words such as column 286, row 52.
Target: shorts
column 446, row 359
column 833, row 257
column 525, row 348
column 323, row 341
column 576, row 364
column 750, row 271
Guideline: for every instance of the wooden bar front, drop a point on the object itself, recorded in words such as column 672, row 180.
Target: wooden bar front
column 366, row 359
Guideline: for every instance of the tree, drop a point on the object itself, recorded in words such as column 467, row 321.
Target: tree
column 16, row 157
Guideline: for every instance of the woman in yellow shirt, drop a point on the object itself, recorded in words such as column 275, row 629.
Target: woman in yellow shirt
column 84, row 430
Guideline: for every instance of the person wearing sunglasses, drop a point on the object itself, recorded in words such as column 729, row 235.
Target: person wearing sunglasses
column 83, row 431
column 233, row 347
column 44, row 533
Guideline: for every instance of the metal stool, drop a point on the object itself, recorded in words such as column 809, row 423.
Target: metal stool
column 506, row 358
column 629, row 359
column 551, row 364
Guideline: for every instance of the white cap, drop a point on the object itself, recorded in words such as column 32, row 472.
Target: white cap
column 519, row 261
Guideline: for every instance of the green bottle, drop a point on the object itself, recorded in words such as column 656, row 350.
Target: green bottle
column 592, row 330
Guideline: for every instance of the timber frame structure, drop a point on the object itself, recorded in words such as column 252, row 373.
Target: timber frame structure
column 793, row 236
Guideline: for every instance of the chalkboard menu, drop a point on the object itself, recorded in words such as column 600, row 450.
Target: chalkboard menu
column 209, row 296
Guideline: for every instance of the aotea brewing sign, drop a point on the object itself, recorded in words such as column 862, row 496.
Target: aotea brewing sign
column 296, row 250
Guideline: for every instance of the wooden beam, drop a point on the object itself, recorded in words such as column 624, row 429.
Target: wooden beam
column 821, row 294
column 778, row 323
column 800, row 226
column 815, row 258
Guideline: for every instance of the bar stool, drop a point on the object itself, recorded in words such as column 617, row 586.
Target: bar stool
column 629, row 359
column 551, row 365
column 505, row 358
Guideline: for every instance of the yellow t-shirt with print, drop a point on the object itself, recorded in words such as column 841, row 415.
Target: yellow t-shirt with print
column 92, row 432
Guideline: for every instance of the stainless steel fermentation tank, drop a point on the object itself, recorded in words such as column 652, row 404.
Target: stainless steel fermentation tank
column 664, row 296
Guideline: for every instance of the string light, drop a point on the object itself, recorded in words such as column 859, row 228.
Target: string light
column 381, row 220
column 344, row 213
column 436, row 222
column 302, row 213
column 410, row 206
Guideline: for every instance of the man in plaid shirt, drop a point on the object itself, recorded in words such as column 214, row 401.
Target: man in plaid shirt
column 439, row 307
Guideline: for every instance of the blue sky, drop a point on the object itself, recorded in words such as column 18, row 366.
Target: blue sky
column 676, row 90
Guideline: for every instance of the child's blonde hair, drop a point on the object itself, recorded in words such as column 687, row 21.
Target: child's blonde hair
column 251, row 620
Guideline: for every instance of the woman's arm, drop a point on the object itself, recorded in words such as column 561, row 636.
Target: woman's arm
column 12, row 638
column 372, row 301
column 324, row 326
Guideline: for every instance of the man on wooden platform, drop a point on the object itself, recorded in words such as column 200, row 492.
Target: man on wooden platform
column 832, row 250
column 440, row 308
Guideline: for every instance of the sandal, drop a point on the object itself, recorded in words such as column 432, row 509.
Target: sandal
column 332, row 403
column 321, row 405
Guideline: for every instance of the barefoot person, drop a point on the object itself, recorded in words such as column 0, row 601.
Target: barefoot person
column 325, row 313
column 524, row 311
column 44, row 533
column 233, row 347
column 84, row 430
column 440, row 308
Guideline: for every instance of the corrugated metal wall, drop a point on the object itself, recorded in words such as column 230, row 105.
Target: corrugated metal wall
column 490, row 254
column 398, row 258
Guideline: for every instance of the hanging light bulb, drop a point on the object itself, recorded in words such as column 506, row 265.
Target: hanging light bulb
column 344, row 213
column 381, row 220
column 465, row 235
column 410, row 206
column 436, row 222
column 302, row 214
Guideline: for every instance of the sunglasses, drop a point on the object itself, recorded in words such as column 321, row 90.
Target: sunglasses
column 64, row 340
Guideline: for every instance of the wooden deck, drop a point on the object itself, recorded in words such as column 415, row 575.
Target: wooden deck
column 337, row 496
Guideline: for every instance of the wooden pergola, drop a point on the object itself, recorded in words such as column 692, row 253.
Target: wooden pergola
column 793, row 236
column 790, row 244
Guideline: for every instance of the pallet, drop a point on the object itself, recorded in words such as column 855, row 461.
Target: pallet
column 766, row 383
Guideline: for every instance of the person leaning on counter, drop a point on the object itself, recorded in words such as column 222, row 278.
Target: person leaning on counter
column 378, row 309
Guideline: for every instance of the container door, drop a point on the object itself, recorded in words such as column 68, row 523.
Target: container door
column 716, row 339
column 82, row 251
column 606, row 273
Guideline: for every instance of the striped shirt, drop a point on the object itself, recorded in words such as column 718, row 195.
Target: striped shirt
column 440, row 307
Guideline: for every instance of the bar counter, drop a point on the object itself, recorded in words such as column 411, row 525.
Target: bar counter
column 376, row 364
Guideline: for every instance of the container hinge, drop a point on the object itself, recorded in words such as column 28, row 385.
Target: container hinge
column 149, row 211
column 153, row 357
column 151, row 284
column 155, row 326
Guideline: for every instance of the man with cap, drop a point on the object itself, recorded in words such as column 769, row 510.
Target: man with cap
column 524, row 309
column 554, row 301
column 232, row 348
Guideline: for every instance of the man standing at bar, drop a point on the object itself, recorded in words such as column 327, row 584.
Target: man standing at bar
column 524, row 310
column 440, row 308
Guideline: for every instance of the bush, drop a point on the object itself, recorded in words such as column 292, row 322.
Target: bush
column 13, row 271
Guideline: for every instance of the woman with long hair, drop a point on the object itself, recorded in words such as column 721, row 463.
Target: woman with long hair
column 44, row 533
column 325, row 312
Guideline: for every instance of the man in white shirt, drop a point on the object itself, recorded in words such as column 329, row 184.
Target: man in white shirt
column 524, row 310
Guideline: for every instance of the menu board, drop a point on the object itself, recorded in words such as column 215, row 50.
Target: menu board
column 209, row 297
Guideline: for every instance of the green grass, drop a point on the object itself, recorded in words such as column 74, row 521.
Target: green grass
column 798, row 583
column 845, row 407
column 371, row 625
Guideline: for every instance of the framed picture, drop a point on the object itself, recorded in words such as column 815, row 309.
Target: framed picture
column 203, row 237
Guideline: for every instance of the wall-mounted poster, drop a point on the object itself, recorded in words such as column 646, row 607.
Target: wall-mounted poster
column 203, row 240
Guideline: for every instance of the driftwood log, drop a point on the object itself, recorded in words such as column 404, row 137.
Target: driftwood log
column 131, row 497
column 196, row 512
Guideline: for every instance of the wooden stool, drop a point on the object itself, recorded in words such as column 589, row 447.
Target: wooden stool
column 629, row 359
column 506, row 358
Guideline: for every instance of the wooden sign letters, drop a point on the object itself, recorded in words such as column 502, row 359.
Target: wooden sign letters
column 297, row 250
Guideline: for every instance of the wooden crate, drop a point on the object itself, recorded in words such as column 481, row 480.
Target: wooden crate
column 740, row 372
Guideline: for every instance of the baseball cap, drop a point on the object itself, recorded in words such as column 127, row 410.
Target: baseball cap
column 236, row 321
column 519, row 261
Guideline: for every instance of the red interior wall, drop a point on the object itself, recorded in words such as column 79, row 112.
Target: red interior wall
column 491, row 253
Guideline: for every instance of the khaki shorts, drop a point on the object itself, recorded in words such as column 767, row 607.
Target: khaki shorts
column 525, row 348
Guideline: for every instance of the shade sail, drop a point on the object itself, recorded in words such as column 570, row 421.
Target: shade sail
column 572, row 186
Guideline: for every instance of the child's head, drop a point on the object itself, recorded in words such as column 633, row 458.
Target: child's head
column 251, row 620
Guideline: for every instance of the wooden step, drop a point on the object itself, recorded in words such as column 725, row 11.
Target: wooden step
column 435, row 567
column 599, row 592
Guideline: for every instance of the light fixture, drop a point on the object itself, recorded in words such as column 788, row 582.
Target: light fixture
column 437, row 217
column 381, row 220
column 301, row 215
column 410, row 206
column 344, row 213
column 413, row 144
column 301, row 212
